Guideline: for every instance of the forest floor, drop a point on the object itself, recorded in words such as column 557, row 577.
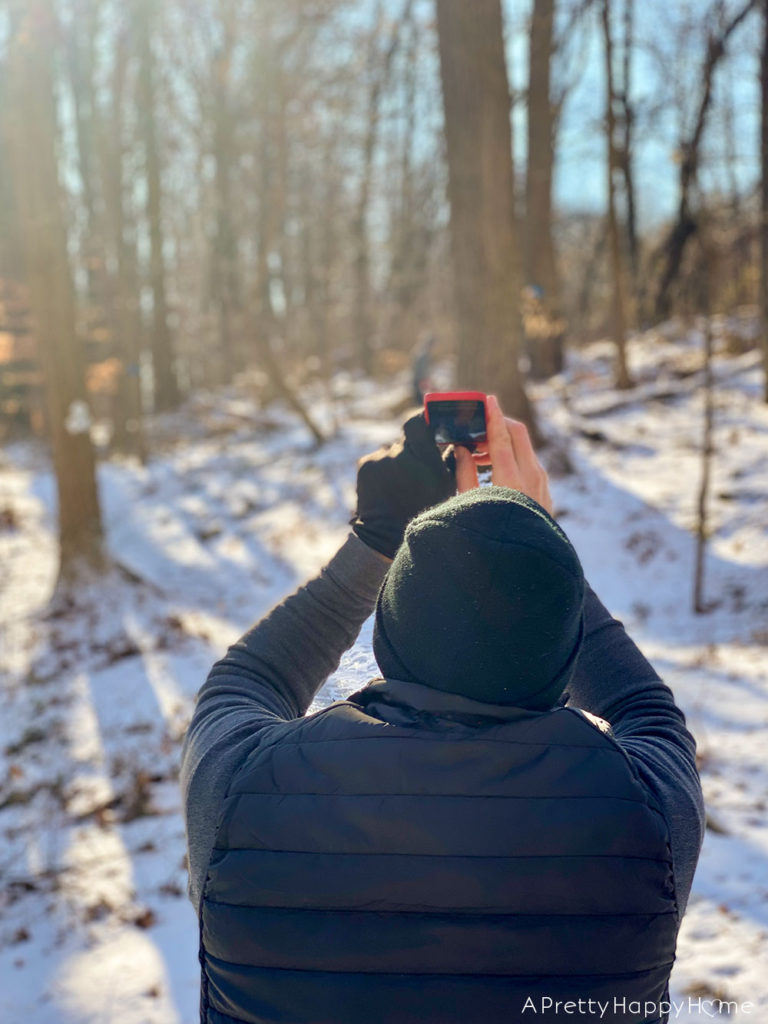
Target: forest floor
column 234, row 510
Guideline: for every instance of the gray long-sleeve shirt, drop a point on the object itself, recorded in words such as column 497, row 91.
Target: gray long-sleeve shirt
column 273, row 672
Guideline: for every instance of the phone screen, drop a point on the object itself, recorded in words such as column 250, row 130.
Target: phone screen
column 458, row 422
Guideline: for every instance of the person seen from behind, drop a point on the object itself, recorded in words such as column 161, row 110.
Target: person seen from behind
column 506, row 822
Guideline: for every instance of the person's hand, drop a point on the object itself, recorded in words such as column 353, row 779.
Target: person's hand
column 511, row 456
column 396, row 483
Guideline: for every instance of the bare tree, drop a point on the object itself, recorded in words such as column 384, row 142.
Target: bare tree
column 269, row 334
column 485, row 257
column 406, row 252
column 166, row 387
column 540, row 262
column 702, row 289
column 685, row 224
column 80, row 46
column 378, row 68
column 764, row 196
column 225, row 276
column 44, row 236
column 616, row 254
column 624, row 97
column 128, row 428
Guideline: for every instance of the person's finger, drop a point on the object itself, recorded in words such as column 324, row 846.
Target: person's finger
column 521, row 442
column 466, row 471
column 527, row 459
column 533, row 477
column 506, row 472
column 499, row 440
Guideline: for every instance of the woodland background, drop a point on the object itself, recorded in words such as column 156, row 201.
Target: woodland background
column 193, row 190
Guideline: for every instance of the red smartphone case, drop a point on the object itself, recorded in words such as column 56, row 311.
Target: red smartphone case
column 457, row 396
column 453, row 396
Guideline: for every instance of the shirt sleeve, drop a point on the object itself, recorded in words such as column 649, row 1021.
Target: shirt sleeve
column 615, row 681
column 271, row 674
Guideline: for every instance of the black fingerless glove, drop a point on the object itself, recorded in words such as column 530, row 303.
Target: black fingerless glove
column 396, row 483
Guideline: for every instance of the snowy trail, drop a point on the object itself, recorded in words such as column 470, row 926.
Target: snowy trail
column 95, row 923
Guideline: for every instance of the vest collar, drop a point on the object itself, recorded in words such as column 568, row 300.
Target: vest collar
column 418, row 697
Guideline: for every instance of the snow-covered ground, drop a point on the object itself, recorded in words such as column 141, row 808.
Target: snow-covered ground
column 95, row 927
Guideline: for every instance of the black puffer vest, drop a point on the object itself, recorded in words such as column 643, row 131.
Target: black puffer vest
column 378, row 863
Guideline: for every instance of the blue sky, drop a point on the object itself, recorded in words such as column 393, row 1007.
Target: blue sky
column 666, row 70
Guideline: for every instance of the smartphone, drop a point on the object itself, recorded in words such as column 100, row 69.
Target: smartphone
column 457, row 417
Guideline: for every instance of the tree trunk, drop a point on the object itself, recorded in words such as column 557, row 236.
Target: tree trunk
column 705, row 280
column 406, row 245
column 166, row 388
column 317, row 255
column 225, row 277
column 626, row 157
column 615, row 249
column 378, row 69
column 44, row 238
column 320, row 253
column 545, row 349
column 80, row 66
column 764, row 197
column 268, row 329
column 590, row 273
column 128, row 435
column 485, row 259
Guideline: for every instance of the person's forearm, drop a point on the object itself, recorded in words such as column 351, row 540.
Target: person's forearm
column 270, row 675
column 283, row 660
